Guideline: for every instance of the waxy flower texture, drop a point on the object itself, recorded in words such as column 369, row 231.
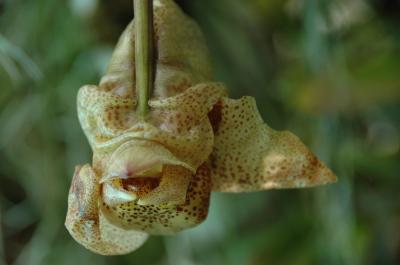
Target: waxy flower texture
column 154, row 176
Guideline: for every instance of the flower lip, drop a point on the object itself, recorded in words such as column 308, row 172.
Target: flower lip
column 113, row 194
column 140, row 158
column 140, row 185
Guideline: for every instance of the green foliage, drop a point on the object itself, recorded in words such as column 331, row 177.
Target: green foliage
column 327, row 70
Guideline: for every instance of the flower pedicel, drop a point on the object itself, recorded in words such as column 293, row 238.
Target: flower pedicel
column 154, row 176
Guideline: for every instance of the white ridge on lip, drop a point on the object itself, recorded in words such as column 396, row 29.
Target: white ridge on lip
column 113, row 196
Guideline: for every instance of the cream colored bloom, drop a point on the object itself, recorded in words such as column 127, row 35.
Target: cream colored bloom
column 155, row 176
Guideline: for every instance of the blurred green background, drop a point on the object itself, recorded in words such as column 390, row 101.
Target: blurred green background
column 328, row 70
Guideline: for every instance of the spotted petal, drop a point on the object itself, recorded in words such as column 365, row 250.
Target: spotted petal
column 87, row 224
column 248, row 155
column 166, row 219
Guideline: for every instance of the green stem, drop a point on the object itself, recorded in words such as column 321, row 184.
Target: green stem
column 143, row 11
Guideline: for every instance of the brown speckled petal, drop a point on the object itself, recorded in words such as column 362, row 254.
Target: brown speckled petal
column 172, row 188
column 87, row 224
column 166, row 219
column 250, row 156
column 154, row 175
column 117, row 241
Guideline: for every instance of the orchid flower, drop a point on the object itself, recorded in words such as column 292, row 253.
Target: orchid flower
column 154, row 176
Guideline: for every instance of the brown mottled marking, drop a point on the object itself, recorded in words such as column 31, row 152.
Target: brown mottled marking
column 195, row 133
column 215, row 116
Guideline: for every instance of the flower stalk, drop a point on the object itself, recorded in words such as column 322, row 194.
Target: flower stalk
column 143, row 12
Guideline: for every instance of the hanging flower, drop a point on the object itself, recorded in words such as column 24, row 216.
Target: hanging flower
column 155, row 175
